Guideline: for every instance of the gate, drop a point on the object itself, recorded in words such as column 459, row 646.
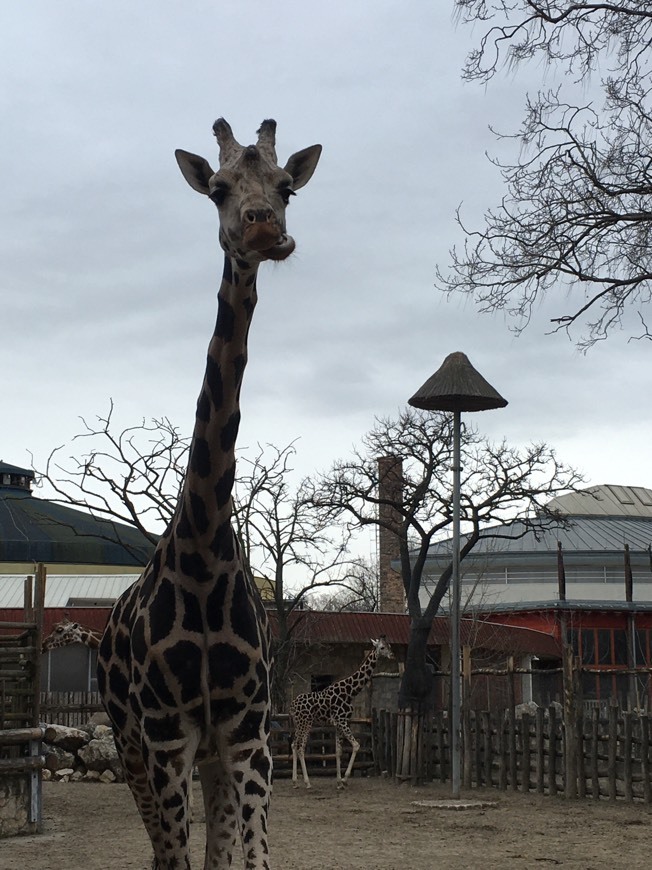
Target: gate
column 20, row 735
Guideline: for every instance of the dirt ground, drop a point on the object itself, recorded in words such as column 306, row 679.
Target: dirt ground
column 373, row 825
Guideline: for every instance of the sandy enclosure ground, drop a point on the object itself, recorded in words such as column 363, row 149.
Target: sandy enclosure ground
column 372, row 825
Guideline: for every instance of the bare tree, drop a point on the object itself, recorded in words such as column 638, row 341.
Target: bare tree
column 290, row 549
column 499, row 484
column 576, row 211
column 132, row 476
column 360, row 594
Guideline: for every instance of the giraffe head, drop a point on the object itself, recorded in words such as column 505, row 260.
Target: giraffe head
column 383, row 649
column 63, row 634
column 251, row 191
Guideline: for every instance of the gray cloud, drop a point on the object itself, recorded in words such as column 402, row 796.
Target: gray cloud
column 111, row 262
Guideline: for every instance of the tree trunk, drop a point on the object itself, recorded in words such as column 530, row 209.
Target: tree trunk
column 415, row 701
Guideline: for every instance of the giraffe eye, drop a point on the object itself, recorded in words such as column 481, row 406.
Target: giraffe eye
column 219, row 193
column 285, row 193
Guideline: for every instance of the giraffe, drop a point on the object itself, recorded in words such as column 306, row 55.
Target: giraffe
column 66, row 632
column 333, row 705
column 184, row 663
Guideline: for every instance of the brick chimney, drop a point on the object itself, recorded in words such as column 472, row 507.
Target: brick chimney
column 390, row 489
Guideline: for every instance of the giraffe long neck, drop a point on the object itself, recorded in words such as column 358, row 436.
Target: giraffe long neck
column 357, row 681
column 205, row 505
column 90, row 639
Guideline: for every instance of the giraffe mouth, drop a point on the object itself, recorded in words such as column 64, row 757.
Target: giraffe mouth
column 282, row 249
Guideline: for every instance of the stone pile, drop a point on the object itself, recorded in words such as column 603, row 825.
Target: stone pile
column 85, row 754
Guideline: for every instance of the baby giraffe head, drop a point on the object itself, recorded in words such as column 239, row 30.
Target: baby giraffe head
column 63, row 633
column 251, row 191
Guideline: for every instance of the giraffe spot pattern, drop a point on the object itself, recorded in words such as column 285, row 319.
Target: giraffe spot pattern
column 243, row 616
column 184, row 661
column 199, row 513
column 222, row 545
column 163, row 728
column 230, row 432
column 214, row 383
column 163, row 612
column 215, row 604
column 224, row 486
column 192, row 613
column 226, row 664
column 194, row 565
column 225, row 325
column 200, row 457
column 159, row 685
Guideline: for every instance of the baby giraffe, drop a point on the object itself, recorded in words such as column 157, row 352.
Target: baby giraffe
column 333, row 705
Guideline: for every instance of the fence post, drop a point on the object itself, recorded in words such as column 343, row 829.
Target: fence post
column 552, row 750
column 570, row 724
column 595, row 752
column 612, row 749
column 525, row 752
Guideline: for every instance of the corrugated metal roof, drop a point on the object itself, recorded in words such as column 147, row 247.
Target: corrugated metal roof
column 353, row 628
column 61, row 588
column 37, row 530
column 606, row 500
column 325, row 627
column 583, row 534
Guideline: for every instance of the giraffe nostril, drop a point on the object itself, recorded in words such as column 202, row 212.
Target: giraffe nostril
column 258, row 215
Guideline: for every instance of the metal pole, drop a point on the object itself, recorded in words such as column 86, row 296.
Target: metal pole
column 455, row 612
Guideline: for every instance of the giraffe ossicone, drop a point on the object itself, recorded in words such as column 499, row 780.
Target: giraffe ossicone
column 184, row 663
column 332, row 705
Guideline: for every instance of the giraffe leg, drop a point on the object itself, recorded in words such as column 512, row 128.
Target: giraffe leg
column 298, row 751
column 236, row 799
column 161, row 792
column 343, row 730
column 338, row 758
column 221, row 819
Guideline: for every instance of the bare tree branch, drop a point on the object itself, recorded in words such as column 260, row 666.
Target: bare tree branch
column 500, row 485
column 577, row 208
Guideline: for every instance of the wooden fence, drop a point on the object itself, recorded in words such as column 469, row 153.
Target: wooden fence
column 75, row 708
column 611, row 755
column 71, row 709
column 320, row 749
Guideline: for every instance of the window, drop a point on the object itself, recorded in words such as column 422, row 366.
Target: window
column 69, row 669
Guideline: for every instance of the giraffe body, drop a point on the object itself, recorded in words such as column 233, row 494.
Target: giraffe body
column 184, row 663
column 332, row 705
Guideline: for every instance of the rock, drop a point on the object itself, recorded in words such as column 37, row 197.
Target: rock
column 56, row 758
column 46, row 774
column 69, row 739
column 100, row 754
column 100, row 719
column 108, row 776
column 92, row 776
column 64, row 774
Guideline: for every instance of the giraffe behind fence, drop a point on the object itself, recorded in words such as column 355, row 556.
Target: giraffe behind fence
column 67, row 632
column 333, row 705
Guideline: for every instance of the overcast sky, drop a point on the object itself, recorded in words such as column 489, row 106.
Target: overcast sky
column 111, row 263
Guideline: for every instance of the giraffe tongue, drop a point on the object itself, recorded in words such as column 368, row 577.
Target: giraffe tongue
column 282, row 249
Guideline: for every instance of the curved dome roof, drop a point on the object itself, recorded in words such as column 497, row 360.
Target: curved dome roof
column 601, row 519
column 36, row 530
column 606, row 500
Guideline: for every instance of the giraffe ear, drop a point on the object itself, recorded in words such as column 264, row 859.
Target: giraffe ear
column 302, row 164
column 196, row 170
